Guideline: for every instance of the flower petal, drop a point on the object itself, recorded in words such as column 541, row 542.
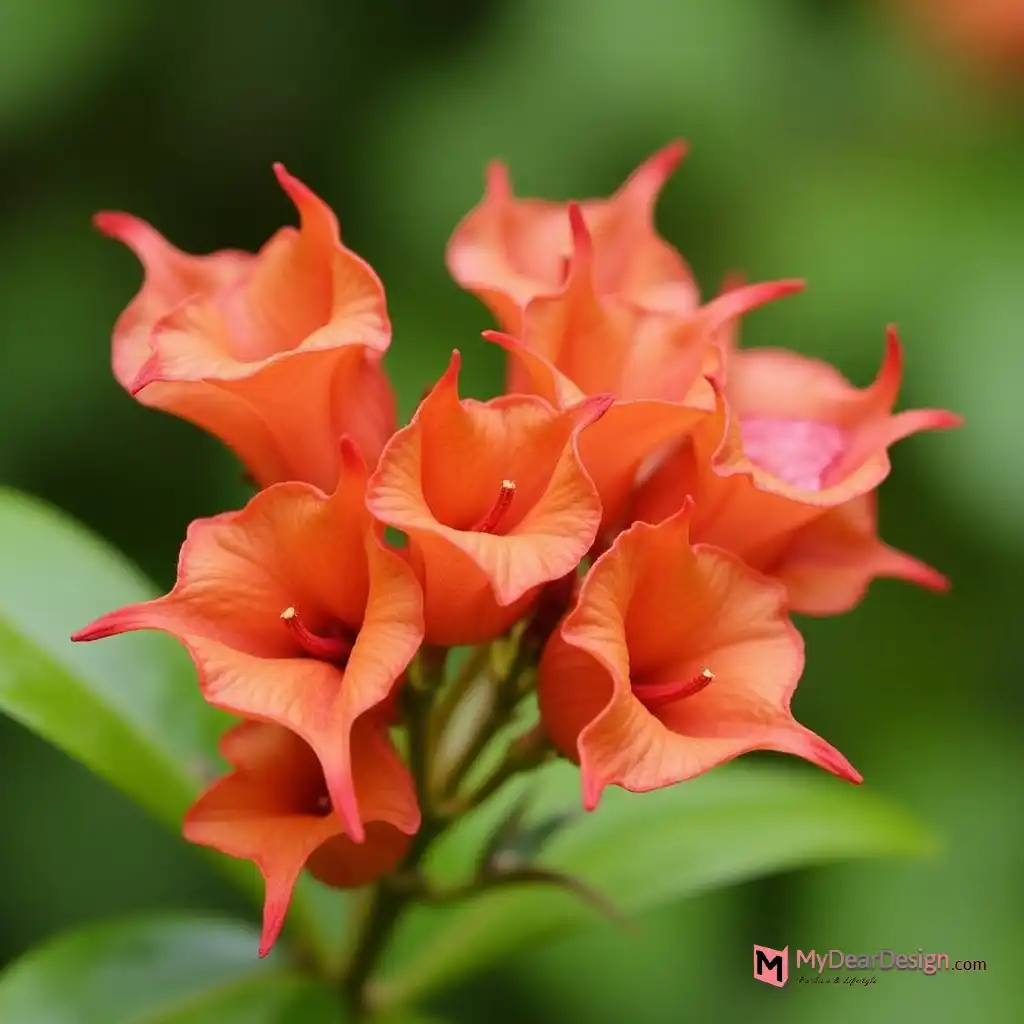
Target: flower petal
column 238, row 572
column 276, row 354
column 827, row 565
column 439, row 477
column 654, row 610
column 266, row 810
column 510, row 250
column 171, row 277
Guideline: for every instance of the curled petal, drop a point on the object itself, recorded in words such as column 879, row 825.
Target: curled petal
column 509, row 250
column 238, row 572
column 827, row 565
column 274, row 810
column 277, row 354
column 438, row 481
column 654, row 611
column 172, row 277
column 790, row 439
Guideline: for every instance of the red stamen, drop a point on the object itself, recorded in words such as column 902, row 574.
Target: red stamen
column 492, row 520
column 656, row 695
column 325, row 648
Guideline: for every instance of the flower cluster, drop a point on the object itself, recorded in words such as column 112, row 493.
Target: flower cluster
column 623, row 533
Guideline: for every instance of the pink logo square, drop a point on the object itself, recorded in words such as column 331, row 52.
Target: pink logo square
column 771, row 965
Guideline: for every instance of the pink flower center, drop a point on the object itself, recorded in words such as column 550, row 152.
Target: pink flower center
column 799, row 452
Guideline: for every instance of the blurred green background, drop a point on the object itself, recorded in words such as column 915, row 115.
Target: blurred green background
column 830, row 140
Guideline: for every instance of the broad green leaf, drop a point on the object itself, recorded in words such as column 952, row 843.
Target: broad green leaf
column 164, row 970
column 640, row 850
column 127, row 707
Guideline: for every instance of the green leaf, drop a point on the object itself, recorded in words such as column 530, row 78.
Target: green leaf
column 166, row 970
column 640, row 850
column 127, row 707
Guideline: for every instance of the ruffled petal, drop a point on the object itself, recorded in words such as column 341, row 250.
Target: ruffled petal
column 239, row 572
column 272, row 810
column 440, row 477
column 278, row 354
column 171, row 277
column 827, row 565
column 509, row 250
column 697, row 628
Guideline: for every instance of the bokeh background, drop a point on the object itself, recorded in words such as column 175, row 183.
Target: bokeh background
column 849, row 143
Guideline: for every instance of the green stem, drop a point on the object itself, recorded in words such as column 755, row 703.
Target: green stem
column 381, row 918
column 386, row 902
column 508, row 692
column 526, row 752
column 425, row 721
column 475, row 664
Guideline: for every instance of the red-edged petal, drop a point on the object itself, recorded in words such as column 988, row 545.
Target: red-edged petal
column 827, row 565
column 292, row 547
column 438, row 479
column 171, row 277
column 653, row 611
column 267, row 810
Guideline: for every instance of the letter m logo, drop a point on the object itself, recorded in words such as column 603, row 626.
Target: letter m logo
column 771, row 965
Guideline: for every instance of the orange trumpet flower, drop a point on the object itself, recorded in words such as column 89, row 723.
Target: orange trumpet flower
column 674, row 659
column 278, row 354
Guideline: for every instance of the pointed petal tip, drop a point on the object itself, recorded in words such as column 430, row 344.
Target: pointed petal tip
column 281, row 173
column 313, row 212
column 87, row 633
column 352, row 460
column 737, row 301
column 662, row 164
column 892, row 361
column 943, row 419
column 149, row 373
column 932, row 579
column 506, row 341
column 111, row 624
column 594, row 407
column 112, row 223
column 790, row 286
column 582, row 243
column 826, row 756
column 497, row 180
column 272, row 924
column 718, row 388
column 901, row 566
column 341, row 787
column 650, row 177
column 669, row 157
column 297, row 191
column 679, row 520
column 451, row 373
